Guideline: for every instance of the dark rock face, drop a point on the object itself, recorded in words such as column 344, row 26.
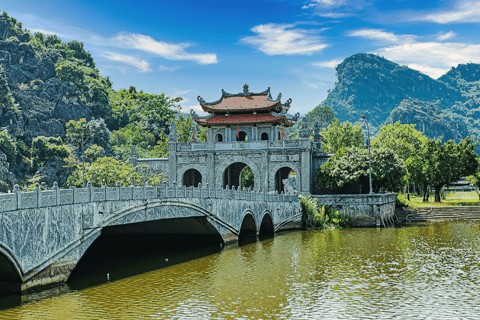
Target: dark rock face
column 45, row 104
column 428, row 118
column 7, row 179
column 53, row 171
column 371, row 85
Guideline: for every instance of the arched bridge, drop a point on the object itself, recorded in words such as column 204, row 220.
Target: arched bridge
column 43, row 234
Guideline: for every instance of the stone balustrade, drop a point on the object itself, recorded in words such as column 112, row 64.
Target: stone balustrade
column 239, row 145
column 19, row 200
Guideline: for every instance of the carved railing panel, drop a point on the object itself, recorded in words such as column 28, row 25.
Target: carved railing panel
column 82, row 196
column 49, row 198
column 66, row 196
column 8, row 202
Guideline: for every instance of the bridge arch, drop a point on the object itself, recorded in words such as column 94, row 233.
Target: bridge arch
column 276, row 176
column 267, row 228
column 248, row 227
column 10, row 269
column 220, row 170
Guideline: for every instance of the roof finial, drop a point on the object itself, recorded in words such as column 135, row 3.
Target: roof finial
column 245, row 88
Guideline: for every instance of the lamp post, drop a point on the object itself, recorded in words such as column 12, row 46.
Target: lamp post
column 369, row 157
column 83, row 157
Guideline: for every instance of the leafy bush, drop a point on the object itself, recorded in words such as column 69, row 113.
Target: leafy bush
column 94, row 152
column 401, row 200
column 48, row 148
column 322, row 217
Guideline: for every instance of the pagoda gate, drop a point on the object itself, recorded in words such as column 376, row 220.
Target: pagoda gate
column 244, row 129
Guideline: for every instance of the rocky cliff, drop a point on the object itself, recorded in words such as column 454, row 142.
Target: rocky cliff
column 44, row 104
column 385, row 91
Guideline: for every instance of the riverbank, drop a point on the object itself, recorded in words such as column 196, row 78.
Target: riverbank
column 444, row 213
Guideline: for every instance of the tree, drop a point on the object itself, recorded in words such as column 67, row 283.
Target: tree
column 104, row 172
column 322, row 115
column 408, row 144
column 247, row 178
column 448, row 162
column 340, row 135
column 350, row 165
column 8, row 146
column 94, row 152
column 404, row 139
column 48, row 148
column 94, row 131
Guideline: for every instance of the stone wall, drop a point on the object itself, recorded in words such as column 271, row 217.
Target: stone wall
column 365, row 210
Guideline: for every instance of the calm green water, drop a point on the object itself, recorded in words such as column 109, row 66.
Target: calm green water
column 427, row 271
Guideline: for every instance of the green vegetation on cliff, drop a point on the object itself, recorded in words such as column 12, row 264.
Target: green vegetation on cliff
column 387, row 92
column 52, row 95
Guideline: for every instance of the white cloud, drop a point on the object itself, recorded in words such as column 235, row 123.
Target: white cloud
column 336, row 8
column 170, row 51
column 165, row 68
column 141, row 65
column 328, row 64
column 325, row 3
column 432, row 57
column 463, row 11
column 431, row 71
column 280, row 39
column 381, row 35
column 46, row 32
column 445, row 36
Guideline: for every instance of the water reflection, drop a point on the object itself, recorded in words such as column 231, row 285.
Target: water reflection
column 424, row 271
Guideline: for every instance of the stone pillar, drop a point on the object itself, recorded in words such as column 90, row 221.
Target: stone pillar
column 57, row 193
column 305, row 165
column 211, row 169
column 172, row 162
column 228, row 134
column 210, row 138
column 39, row 195
column 18, row 192
column 266, row 177
column 133, row 156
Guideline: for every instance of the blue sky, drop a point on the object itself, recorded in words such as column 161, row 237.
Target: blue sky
column 191, row 48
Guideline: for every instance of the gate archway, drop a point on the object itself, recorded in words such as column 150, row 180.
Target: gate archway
column 220, row 170
column 191, row 178
column 282, row 172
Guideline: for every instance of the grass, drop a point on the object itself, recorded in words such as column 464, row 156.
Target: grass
column 452, row 199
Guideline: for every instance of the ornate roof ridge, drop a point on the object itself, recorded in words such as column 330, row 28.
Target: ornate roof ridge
column 244, row 93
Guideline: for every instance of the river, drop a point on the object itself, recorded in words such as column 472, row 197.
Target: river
column 423, row 271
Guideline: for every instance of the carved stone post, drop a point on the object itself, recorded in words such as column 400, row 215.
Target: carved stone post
column 57, row 193
column 39, row 195
column 18, row 192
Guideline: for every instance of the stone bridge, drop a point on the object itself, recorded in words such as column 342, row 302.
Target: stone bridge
column 44, row 234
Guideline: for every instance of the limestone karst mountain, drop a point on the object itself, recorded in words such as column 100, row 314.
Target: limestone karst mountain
column 385, row 91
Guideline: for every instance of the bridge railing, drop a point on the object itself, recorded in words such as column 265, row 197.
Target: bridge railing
column 37, row 198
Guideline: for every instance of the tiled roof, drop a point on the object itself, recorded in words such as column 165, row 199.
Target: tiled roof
column 234, row 119
column 239, row 103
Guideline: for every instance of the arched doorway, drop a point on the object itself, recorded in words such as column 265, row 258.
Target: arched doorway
column 219, row 138
column 238, row 174
column 191, row 178
column 266, row 227
column 264, row 136
column 242, row 136
column 248, row 229
column 282, row 174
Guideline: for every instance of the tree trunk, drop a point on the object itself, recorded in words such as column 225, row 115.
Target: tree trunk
column 437, row 194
